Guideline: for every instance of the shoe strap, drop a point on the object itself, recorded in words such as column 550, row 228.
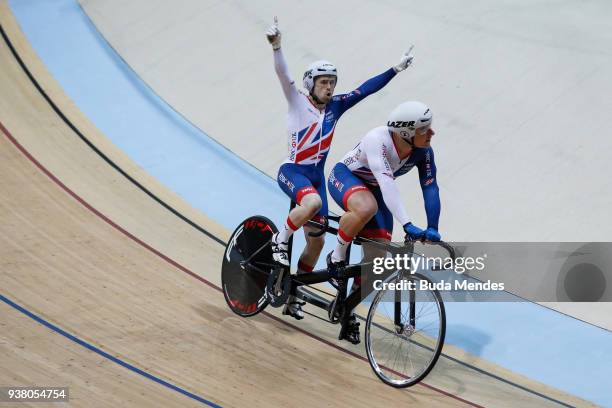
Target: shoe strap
column 277, row 248
column 274, row 242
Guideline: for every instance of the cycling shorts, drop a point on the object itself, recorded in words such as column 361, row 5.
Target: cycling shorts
column 342, row 183
column 298, row 180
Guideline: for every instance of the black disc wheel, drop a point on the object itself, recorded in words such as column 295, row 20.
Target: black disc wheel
column 247, row 262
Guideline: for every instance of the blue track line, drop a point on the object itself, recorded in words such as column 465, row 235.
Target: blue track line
column 106, row 355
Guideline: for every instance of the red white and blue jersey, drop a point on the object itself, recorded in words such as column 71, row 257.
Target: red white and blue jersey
column 311, row 130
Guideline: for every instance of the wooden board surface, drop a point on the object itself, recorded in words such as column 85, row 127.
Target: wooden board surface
column 88, row 251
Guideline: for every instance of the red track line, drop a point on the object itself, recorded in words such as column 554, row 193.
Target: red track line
column 184, row 269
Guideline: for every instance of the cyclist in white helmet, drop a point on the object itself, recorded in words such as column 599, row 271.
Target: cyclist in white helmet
column 362, row 183
column 312, row 118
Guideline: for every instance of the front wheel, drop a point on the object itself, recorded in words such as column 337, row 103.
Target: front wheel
column 247, row 262
column 405, row 330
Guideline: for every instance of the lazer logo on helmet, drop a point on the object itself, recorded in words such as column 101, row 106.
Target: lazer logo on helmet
column 399, row 124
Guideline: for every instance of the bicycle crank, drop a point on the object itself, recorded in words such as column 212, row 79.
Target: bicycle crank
column 278, row 286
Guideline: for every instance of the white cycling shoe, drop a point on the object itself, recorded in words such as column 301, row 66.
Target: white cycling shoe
column 293, row 308
column 280, row 251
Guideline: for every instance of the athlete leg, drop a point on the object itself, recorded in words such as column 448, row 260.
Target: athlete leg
column 297, row 182
column 350, row 193
column 378, row 228
column 294, row 182
column 361, row 207
column 306, row 263
column 309, row 205
column 314, row 245
column 312, row 251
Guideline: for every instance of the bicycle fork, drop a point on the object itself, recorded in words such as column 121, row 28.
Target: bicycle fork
column 399, row 325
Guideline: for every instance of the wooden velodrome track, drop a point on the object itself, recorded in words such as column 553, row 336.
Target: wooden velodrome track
column 86, row 252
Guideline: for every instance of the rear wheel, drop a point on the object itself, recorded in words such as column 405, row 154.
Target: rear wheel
column 247, row 262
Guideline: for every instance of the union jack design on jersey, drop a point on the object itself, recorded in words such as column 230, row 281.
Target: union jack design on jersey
column 311, row 147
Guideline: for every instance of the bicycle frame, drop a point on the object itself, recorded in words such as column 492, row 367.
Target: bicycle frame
column 351, row 271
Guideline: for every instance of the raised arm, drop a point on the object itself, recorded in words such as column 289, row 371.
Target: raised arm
column 369, row 87
column 376, row 83
column 280, row 66
column 287, row 83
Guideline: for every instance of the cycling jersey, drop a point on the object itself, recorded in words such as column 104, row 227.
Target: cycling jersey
column 375, row 163
column 311, row 130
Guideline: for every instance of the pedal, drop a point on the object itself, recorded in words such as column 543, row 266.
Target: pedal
column 278, row 286
column 293, row 308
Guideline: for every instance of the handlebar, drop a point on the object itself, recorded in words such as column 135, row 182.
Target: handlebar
column 449, row 248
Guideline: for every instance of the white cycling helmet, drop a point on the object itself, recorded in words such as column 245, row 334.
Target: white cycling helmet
column 407, row 117
column 316, row 69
